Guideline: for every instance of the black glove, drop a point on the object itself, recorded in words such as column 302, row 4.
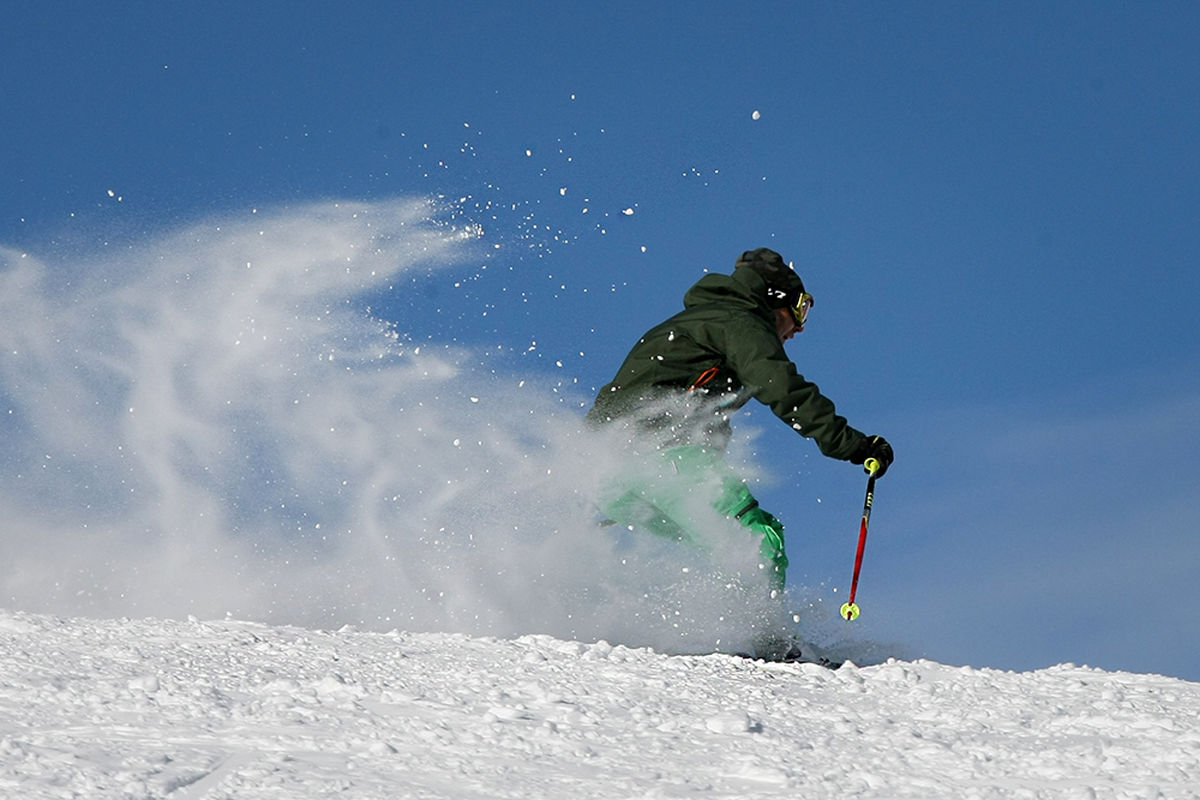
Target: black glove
column 875, row 447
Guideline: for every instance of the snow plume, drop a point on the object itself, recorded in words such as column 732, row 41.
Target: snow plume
column 213, row 423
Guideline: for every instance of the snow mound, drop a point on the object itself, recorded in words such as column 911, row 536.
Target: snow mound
column 189, row 709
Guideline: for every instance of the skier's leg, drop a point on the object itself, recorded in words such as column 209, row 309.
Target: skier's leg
column 668, row 495
column 771, row 545
column 705, row 467
column 634, row 509
column 675, row 497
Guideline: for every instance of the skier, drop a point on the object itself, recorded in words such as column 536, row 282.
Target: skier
column 681, row 383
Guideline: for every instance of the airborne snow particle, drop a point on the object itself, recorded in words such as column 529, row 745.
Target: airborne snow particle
column 628, row 212
column 756, row 115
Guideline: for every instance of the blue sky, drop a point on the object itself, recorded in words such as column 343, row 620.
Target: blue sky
column 994, row 204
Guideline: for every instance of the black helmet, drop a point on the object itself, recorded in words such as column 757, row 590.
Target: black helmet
column 784, row 287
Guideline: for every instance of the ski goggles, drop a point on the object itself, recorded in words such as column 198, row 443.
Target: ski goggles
column 800, row 311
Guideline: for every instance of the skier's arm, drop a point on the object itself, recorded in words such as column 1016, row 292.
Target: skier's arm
column 757, row 356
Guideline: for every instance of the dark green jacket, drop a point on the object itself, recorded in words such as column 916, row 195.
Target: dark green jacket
column 686, row 377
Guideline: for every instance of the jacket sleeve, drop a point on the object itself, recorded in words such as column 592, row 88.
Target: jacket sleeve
column 756, row 354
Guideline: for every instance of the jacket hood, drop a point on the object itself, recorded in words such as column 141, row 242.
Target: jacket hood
column 745, row 287
column 784, row 286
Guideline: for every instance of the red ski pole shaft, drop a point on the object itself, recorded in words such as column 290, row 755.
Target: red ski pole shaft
column 850, row 609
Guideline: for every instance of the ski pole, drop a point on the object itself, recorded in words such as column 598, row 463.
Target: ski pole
column 850, row 609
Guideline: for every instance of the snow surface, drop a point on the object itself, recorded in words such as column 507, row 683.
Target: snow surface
column 188, row 709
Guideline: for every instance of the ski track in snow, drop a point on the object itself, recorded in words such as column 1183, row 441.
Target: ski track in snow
column 189, row 710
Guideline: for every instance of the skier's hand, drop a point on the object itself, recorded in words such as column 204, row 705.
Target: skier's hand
column 875, row 447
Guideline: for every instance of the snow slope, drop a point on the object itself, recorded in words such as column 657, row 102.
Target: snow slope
column 191, row 709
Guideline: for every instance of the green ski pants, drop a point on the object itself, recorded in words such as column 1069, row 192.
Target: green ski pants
column 675, row 498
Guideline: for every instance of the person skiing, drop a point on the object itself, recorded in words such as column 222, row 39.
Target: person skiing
column 681, row 383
